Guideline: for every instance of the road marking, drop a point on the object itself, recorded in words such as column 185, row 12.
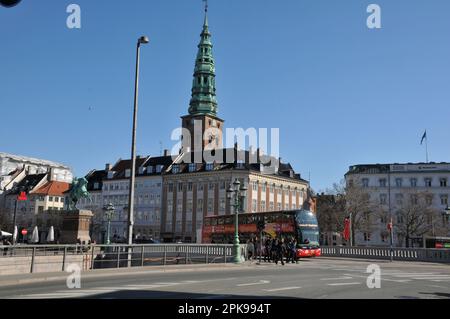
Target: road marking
column 436, row 286
column 382, row 278
column 345, row 284
column 261, row 282
column 282, row 289
column 337, row 278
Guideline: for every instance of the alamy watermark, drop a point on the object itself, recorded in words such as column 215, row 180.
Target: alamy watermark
column 374, row 279
column 74, row 279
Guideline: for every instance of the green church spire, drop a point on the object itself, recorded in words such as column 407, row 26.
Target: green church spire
column 203, row 101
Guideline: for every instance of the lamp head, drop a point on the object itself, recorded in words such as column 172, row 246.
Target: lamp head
column 143, row 40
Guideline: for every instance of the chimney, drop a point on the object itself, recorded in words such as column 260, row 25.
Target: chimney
column 166, row 153
column 108, row 167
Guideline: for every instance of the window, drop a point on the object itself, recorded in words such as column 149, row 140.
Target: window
column 179, row 205
column 365, row 182
column 255, row 186
column 96, row 186
column 222, row 204
column 200, row 187
column 169, row 206
column 50, row 198
column 271, row 206
column 383, row 199
column 209, row 166
column 384, row 237
column 414, row 199
column 383, row 182
column 286, row 206
column 398, row 182
column 176, row 169
column 399, row 199
column 190, row 186
column 211, row 186
column 428, row 182
column 413, row 182
column 210, row 205
column 254, row 205
column 170, row 188
column 150, row 170
column 429, row 199
column 444, row 200
column 222, row 185
column 271, row 188
column 180, row 187
column 200, row 205
column 278, row 206
column 263, row 206
column 443, row 182
column 127, row 172
column 264, row 186
column 367, row 236
column 399, row 218
column 158, row 168
column 192, row 167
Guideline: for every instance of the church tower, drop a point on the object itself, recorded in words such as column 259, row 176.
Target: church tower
column 202, row 122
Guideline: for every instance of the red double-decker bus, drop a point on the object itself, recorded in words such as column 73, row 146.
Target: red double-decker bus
column 299, row 224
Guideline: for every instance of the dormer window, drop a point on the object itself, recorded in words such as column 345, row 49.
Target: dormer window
column 158, row 168
column 240, row 164
column 150, row 169
column 176, row 169
column 127, row 172
column 209, row 166
column 110, row 174
column 141, row 170
column 96, row 186
column 192, row 167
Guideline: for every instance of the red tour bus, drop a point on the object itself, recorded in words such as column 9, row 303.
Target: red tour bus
column 299, row 224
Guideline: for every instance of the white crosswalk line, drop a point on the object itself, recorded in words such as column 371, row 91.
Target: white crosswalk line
column 281, row 289
column 345, row 284
column 337, row 278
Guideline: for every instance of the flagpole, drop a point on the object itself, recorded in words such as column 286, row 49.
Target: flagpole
column 426, row 146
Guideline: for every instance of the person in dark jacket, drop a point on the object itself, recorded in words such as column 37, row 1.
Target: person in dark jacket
column 280, row 251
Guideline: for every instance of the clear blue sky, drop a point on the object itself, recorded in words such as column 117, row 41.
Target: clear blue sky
column 340, row 93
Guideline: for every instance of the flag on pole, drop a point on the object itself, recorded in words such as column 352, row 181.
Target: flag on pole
column 423, row 137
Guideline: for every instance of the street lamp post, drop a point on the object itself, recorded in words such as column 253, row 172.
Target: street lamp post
column 109, row 212
column 236, row 193
column 141, row 40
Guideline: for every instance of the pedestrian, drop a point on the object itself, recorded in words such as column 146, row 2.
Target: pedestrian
column 267, row 247
column 280, row 251
column 250, row 249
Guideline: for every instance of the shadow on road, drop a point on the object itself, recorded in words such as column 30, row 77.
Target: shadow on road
column 154, row 294
column 438, row 294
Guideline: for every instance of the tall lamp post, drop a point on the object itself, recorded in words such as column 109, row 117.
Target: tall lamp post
column 141, row 40
column 446, row 214
column 236, row 193
column 109, row 213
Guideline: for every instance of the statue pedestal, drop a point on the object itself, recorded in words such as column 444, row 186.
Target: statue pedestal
column 75, row 227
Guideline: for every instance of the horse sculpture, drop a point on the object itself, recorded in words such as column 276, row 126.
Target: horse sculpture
column 77, row 191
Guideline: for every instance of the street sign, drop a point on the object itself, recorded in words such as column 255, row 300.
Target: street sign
column 24, row 232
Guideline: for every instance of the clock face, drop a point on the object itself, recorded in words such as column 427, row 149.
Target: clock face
column 214, row 123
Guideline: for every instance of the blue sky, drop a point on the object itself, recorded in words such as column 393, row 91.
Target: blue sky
column 340, row 93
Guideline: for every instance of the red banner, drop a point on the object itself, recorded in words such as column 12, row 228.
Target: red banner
column 346, row 233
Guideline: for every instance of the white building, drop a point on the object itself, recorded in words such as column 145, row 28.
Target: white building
column 112, row 186
column 393, row 186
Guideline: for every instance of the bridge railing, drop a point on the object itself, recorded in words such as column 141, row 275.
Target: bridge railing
column 52, row 258
column 401, row 254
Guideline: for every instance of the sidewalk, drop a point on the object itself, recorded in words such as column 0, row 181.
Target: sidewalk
column 14, row 280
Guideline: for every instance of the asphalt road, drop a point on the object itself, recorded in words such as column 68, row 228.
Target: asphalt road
column 321, row 278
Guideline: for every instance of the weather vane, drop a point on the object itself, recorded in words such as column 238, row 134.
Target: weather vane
column 206, row 5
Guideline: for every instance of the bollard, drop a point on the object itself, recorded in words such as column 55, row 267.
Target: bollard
column 32, row 259
column 64, row 259
column 142, row 256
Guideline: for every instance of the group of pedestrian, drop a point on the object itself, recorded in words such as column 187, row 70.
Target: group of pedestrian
column 274, row 250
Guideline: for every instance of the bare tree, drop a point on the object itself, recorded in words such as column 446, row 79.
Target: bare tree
column 360, row 207
column 415, row 216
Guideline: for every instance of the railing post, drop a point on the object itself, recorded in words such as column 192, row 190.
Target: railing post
column 32, row 259
column 64, row 259
column 187, row 255
column 225, row 254
column 165, row 255
column 92, row 256
column 118, row 256
column 142, row 256
column 207, row 252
